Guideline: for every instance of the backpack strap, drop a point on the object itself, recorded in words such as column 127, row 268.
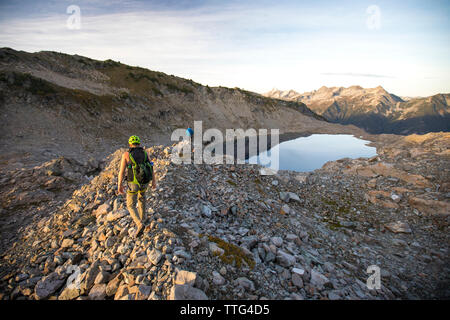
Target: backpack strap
column 134, row 169
column 132, row 159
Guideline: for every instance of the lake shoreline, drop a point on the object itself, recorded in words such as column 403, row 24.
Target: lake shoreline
column 311, row 152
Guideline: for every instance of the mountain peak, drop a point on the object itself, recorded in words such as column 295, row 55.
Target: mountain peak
column 380, row 89
column 389, row 113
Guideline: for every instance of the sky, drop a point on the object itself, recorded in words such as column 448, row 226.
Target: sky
column 404, row 46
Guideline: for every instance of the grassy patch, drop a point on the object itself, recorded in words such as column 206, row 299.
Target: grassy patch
column 332, row 224
column 232, row 253
column 335, row 206
column 28, row 82
column 174, row 87
column 157, row 92
column 141, row 76
column 137, row 81
column 142, row 81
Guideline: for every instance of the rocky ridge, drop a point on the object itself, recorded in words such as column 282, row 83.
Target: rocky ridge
column 225, row 232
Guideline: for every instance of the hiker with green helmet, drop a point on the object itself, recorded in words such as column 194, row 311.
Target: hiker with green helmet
column 139, row 174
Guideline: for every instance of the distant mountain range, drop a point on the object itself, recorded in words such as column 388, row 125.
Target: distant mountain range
column 375, row 110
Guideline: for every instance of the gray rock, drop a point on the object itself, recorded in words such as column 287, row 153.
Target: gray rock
column 21, row 277
column 291, row 237
column 217, row 278
column 102, row 277
column 395, row 197
column 245, row 283
column 285, row 275
column 296, row 296
column 299, row 271
column 297, row 280
column 249, row 241
column 278, row 241
column 398, row 227
column 349, row 266
column 154, row 256
column 333, row 296
column 347, row 224
column 270, row 256
column 49, row 285
column 214, row 248
column 207, row 211
column 91, row 275
column 184, row 277
column 186, row 292
column 328, row 267
column 288, row 196
column 285, row 259
column 183, row 254
column 109, row 243
column 243, row 231
column 256, row 257
column 144, row 292
column 399, row 242
column 98, row 292
column 285, row 209
column 318, row 280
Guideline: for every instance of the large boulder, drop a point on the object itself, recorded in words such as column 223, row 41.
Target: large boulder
column 285, row 259
column 185, row 277
column 49, row 285
column 98, row 292
column 186, row 292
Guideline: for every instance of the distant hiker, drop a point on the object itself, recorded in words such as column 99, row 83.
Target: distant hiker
column 139, row 174
column 186, row 142
column 190, row 133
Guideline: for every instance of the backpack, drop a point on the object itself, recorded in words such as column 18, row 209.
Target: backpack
column 140, row 171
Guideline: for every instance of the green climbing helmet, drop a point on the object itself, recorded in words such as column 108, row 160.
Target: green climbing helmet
column 134, row 140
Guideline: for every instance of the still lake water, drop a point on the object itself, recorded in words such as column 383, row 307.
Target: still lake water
column 312, row 152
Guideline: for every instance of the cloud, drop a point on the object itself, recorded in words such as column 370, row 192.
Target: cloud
column 240, row 43
column 350, row 74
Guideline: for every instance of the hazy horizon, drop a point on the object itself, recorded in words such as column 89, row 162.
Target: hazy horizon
column 254, row 45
